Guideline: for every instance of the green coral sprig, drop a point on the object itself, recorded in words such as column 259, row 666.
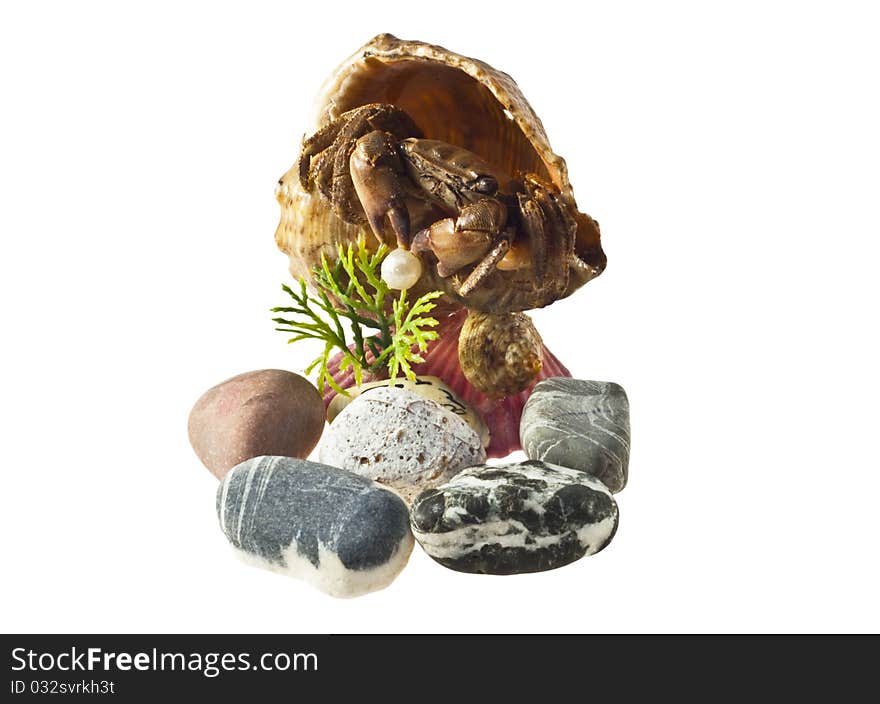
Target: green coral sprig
column 352, row 289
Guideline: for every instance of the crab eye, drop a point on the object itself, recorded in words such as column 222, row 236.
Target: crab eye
column 486, row 185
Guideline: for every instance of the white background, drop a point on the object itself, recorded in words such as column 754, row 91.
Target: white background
column 731, row 153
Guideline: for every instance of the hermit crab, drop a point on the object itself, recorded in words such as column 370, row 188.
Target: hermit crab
column 441, row 157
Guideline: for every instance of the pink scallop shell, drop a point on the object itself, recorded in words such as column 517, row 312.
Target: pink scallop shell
column 501, row 416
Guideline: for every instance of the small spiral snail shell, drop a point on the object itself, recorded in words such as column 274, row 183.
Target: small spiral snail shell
column 500, row 353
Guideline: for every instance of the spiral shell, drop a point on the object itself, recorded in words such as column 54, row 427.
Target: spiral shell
column 500, row 353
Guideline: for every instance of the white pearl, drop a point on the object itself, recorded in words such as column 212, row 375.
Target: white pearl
column 401, row 269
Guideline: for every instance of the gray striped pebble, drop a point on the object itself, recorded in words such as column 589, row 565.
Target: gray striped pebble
column 579, row 424
column 342, row 533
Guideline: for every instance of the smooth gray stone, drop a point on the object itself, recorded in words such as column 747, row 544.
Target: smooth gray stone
column 509, row 519
column 579, row 424
column 342, row 533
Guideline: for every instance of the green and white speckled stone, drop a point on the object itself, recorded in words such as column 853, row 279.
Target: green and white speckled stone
column 514, row 518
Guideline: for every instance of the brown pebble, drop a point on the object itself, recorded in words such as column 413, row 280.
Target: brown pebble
column 266, row 412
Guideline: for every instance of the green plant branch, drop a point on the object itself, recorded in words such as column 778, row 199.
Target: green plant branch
column 354, row 281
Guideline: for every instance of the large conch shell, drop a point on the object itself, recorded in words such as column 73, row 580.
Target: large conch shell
column 458, row 100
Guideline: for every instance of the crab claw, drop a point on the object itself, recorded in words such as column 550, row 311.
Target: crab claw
column 376, row 170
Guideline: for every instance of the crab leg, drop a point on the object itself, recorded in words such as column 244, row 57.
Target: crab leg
column 325, row 160
column 485, row 267
column 375, row 171
column 533, row 223
column 313, row 146
column 555, row 219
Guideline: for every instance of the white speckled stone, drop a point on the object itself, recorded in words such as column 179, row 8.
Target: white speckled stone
column 579, row 424
column 431, row 387
column 401, row 439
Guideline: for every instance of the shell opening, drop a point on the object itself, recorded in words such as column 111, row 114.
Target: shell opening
column 447, row 104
